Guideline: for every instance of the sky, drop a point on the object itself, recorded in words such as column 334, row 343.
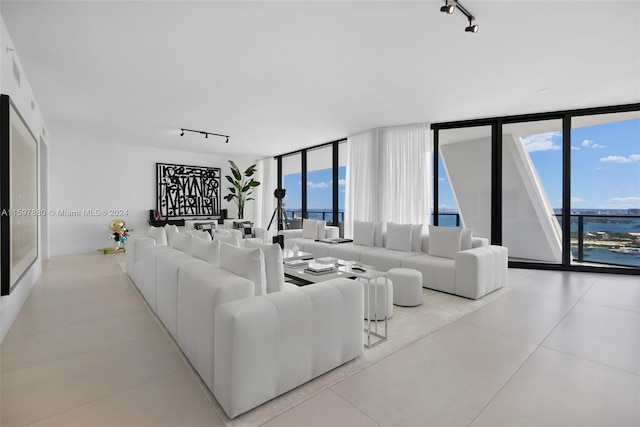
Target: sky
column 605, row 167
column 605, row 171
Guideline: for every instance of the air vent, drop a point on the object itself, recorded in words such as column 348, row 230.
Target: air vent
column 16, row 70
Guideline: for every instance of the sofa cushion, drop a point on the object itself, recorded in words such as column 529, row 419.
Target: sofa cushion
column 172, row 231
column 384, row 259
column 226, row 237
column 201, row 234
column 399, row 236
column 309, row 228
column 378, row 234
column 247, row 263
column 348, row 251
column 437, row 273
column 182, row 242
column 322, row 229
column 363, row 233
column 444, row 241
column 206, row 251
column 465, row 239
column 273, row 267
column 416, row 237
column 158, row 234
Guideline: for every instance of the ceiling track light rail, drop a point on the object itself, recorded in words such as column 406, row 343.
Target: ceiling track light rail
column 202, row 132
column 451, row 5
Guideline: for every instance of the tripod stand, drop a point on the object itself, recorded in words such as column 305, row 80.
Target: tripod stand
column 283, row 221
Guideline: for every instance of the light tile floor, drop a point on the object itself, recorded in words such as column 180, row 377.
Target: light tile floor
column 558, row 349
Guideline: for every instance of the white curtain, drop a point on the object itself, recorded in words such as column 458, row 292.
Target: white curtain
column 388, row 176
column 265, row 202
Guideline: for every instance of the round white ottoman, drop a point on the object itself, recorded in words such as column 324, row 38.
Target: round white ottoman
column 369, row 287
column 408, row 286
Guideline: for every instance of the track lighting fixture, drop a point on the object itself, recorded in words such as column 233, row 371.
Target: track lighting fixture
column 449, row 8
column 202, row 132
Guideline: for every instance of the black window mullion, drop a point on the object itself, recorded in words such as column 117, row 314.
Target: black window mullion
column 303, row 156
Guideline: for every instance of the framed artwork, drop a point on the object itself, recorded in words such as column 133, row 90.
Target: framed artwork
column 187, row 191
column 19, row 196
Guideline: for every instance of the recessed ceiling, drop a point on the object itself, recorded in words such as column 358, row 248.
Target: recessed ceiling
column 278, row 76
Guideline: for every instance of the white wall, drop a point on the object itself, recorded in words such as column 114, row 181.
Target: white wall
column 121, row 177
column 22, row 96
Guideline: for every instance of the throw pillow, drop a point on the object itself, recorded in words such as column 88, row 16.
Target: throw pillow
column 245, row 262
column 416, row 237
column 310, row 229
column 201, row 234
column 363, row 233
column 399, row 236
column 378, row 234
column 158, row 234
column 322, row 229
column 273, row 267
column 182, row 242
column 466, row 239
column 172, row 231
column 206, row 251
column 444, row 242
column 226, row 237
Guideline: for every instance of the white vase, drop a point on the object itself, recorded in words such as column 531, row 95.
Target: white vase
column 295, row 248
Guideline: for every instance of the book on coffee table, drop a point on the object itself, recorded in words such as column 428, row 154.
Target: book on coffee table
column 293, row 263
column 319, row 272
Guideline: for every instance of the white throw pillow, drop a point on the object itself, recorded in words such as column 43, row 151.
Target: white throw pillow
column 172, row 231
column 416, row 237
column 378, row 234
column 444, row 242
column 158, row 234
column 309, row 228
column 201, row 234
column 363, row 233
column 322, row 229
column 182, row 242
column 273, row 267
column 245, row 262
column 206, row 251
column 226, row 237
column 399, row 236
column 466, row 239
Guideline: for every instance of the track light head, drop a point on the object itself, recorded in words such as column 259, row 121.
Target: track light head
column 181, row 132
column 448, row 8
column 471, row 28
column 227, row 141
column 206, row 135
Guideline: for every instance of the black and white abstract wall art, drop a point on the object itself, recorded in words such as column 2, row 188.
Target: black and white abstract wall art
column 187, row 191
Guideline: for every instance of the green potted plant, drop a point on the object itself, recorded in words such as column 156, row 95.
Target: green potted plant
column 242, row 185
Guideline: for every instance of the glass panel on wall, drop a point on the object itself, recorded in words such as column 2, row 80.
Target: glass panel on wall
column 292, row 182
column 532, row 191
column 320, row 183
column 448, row 214
column 466, row 157
column 605, row 189
column 342, row 179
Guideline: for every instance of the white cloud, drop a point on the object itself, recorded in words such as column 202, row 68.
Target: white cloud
column 634, row 158
column 621, row 203
column 577, row 200
column 541, row 142
column 591, row 144
column 317, row 184
column 342, row 182
column 575, row 148
column 442, row 179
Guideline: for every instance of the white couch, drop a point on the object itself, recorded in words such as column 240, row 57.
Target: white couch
column 471, row 272
column 281, row 339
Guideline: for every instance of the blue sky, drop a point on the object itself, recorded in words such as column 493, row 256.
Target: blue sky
column 605, row 166
column 319, row 189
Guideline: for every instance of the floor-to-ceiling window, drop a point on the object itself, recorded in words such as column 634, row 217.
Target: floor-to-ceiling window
column 314, row 179
column 605, row 189
column 562, row 189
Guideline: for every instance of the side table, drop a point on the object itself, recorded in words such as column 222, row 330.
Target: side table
column 372, row 276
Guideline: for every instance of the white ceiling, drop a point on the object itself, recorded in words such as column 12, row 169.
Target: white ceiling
column 278, row 76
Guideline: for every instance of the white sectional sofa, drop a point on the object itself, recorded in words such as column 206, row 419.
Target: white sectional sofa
column 449, row 258
column 248, row 345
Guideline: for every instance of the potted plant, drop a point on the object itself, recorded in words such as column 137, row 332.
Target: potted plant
column 242, row 185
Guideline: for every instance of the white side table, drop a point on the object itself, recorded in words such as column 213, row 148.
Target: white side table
column 370, row 276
